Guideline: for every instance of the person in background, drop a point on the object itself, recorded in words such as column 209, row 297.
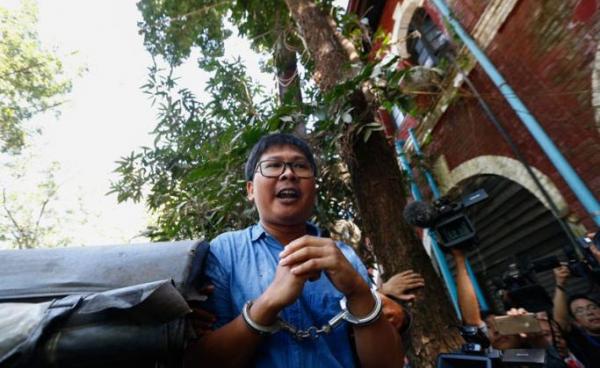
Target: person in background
column 401, row 285
column 579, row 318
column 471, row 314
column 552, row 337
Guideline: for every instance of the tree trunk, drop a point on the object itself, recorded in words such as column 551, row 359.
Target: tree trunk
column 377, row 184
column 378, row 188
column 287, row 78
column 322, row 41
column 286, row 65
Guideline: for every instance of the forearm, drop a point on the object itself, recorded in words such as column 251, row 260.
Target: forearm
column 377, row 344
column 234, row 344
column 467, row 300
column 560, row 311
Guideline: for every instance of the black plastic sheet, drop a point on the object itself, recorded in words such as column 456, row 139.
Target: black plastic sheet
column 117, row 306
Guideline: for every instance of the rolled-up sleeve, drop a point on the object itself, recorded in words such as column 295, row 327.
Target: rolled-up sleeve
column 355, row 261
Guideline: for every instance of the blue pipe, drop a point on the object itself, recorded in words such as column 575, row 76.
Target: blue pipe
column 432, row 184
column 567, row 172
column 414, row 188
column 437, row 252
column 436, row 194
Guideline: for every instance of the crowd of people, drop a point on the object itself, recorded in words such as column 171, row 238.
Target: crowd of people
column 569, row 332
column 282, row 295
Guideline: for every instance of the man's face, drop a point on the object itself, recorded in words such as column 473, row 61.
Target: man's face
column 587, row 314
column 286, row 199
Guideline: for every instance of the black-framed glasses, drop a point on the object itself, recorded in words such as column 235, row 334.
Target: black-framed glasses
column 274, row 168
column 580, row 311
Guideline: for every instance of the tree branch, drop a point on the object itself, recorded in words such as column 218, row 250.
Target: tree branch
column 22, row 70
column 200, row 11
column 10, row 216
column 41, row 214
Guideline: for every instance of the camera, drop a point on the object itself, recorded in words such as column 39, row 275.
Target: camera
column 447, row 218
column 520, row 288
column 581, row 262
column 473, row 353
column 520, row 285
column 476, row 353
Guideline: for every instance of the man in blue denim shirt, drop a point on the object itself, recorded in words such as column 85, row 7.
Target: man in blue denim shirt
column 281, row 269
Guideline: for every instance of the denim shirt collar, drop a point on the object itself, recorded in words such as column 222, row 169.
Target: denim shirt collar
column 258, row 231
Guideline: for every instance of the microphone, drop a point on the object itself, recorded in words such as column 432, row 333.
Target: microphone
column 420, row 214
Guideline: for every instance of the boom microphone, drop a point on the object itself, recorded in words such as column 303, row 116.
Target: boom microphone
column 420, row 214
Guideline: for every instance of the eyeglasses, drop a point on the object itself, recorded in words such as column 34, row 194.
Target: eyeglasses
column 582, row 310
column 274, row 168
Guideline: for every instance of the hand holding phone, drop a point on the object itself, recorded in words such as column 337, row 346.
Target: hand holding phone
column 517, row 324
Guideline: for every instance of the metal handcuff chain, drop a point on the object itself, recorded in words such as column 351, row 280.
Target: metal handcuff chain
column 313, row 332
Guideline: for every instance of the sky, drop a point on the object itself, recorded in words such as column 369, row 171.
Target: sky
column 106, row 116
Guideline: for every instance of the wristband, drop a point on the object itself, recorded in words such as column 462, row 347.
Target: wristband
column 561, row 288
column 255, row 327
column 369, row 318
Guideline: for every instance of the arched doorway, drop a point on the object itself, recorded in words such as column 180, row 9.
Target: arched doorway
column 513, row 226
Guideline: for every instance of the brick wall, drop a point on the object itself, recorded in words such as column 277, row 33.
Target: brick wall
column 545, row 50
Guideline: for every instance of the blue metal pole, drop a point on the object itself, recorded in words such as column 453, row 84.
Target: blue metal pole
column 414, row 188
column 436, row 194
column 432, row 184
column 567, row 172
column 437, row 252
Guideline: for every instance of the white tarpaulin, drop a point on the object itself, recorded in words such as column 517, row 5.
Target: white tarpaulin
column 17, row 322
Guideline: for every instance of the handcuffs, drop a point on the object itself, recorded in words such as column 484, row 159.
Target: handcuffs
column 313, row 332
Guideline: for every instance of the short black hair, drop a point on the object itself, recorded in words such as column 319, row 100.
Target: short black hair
column 276, row 139
column 574, row 297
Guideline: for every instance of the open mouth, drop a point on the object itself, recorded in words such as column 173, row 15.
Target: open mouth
column 288, row 193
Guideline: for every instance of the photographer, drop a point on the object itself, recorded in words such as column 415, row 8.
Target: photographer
column 471, row 314
column 469, row 307
column 583, row 331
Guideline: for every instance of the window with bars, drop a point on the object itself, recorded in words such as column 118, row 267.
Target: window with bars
column 426, row 43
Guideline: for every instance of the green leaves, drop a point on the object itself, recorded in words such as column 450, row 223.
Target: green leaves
column 171, row 28
column 32, row 212
column 32, row 79
column 192, row 177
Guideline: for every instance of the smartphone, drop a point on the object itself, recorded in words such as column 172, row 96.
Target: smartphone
column 514, row 325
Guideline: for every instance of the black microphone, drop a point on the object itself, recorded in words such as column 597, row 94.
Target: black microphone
column 420, row 214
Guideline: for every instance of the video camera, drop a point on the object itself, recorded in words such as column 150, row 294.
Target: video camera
column 476, row 353
column 448, row 220
column 520, row 283
column 521, row 289
column 580, row 264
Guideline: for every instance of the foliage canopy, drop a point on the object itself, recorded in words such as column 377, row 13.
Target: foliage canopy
column 192, row 177
column 31, row 212
column 32, row 79
column 194, row 181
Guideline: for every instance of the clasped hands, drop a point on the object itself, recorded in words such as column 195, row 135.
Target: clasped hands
column 304, row 259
